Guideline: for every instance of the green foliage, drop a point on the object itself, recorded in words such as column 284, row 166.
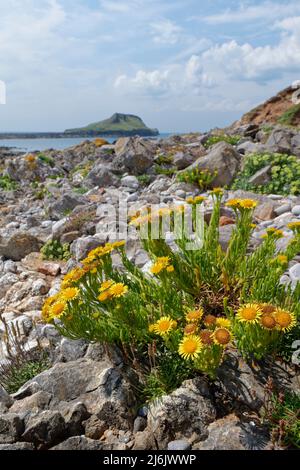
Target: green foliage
column 267, row 129
column 282, row 412
column 203, row 178
column 193, row 305
column 40, row 191
column 81, row 190
column 164, row 171
column 7, row 183
column 162, row 159
column 55, row 177
column 46, row 159
column 16, row 375
column 166, row 377
column 288, row 118
column 144, row 179
column 284, row 174
column 21, row 364
column 54, row 250
column 214, row 139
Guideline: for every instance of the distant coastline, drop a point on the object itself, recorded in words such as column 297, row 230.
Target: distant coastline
column 65, row 135
column 42, row 141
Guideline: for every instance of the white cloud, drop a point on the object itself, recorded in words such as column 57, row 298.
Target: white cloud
column 171, row 80
column 195, row 75
column 166, row 32
column 248, row 62
column 155, row 82
column 267, row 11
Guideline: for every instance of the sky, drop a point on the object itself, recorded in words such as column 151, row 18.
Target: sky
column 181, row 65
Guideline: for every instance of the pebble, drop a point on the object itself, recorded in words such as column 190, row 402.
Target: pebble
column 275, row 197
column 179, row 444
column 295, row 272
column 143, row 411
column 139, row 424
column 296, row 210
column 282, row 209
column 10, row 266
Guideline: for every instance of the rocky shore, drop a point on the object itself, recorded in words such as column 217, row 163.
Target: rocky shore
column 87, row 398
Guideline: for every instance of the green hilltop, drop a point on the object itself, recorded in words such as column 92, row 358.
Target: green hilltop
column 117, row 124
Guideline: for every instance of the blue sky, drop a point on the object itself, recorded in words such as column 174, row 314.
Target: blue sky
column 181, row 65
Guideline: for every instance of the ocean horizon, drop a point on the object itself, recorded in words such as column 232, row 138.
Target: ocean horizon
column 61, row 143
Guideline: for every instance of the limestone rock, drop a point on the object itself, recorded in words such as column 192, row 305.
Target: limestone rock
column 18, row 246
column 230, row 433
column 81, row 247
column 186, row 411
column 45, row 428
column 262, row 176
column 222, row 158
column 101, row 176
column 78, row 443
column 11, row 428
column 134, row 155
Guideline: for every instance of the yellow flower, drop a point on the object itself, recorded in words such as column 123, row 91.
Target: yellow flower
column 190, row 347
column 70, row 293
column 295, row 226
column 249, row 313
column 97, row 253
column 190, row 200
column 268, row 321
column 118, row 290
column 190, row 329
column 253, row 226
column 57, row 309
column 280, row 259
column 217, row 191
column 179, row 209
column 273, row 232
column 267, row 308
column 195, row 200
column 199, row 199
column 164, row 325
column 106, row 285
column 194, row 315
column 247, row 203
column 222, row 336
column 119, row 244
column 209, row 320
column 279, row 233
column 170, row 269
column 156, row 268
column 104, row 296
column 30, row 158
column 163, row 211
column 285, row 320
column 72, row 276
column 137, row 221
column 206, row 337
column 223, row 322
column 233, row 203
column 241, row 203
column 46, row 307
column 151, row 328
column 160, row 264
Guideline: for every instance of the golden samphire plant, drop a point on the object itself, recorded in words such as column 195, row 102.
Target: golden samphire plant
column 193, row 305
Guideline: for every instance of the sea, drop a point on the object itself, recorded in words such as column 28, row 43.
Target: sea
column 31, row 145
